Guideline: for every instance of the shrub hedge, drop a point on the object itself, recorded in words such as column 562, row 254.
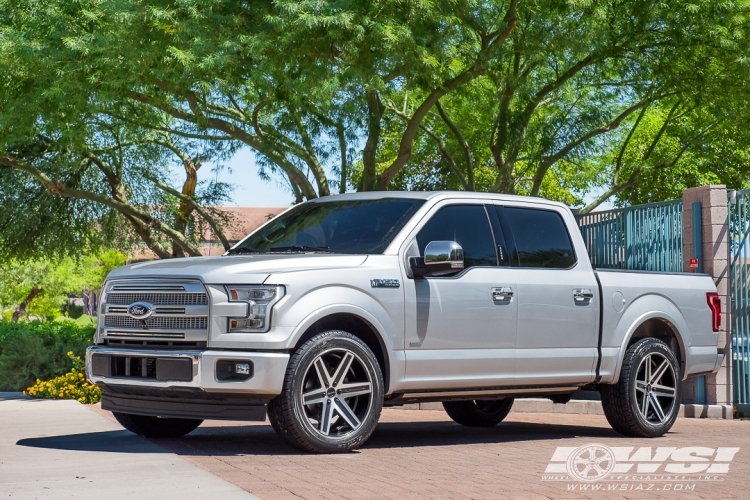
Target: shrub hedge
column 37, row 350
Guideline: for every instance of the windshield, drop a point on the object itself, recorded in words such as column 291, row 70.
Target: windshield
column 351, row 226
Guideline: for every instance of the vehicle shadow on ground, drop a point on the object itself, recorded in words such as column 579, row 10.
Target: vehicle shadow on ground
column 261, row 439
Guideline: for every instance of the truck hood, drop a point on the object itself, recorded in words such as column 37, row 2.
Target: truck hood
column 235, row 269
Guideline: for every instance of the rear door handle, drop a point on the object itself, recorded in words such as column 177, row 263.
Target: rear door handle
column 582, row 295
column 502, row 293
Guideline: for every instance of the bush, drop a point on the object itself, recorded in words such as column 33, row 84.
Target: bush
column 72, row 310
column 36, row 350
column 72, row 385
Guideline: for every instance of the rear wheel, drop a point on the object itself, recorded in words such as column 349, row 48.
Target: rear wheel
column 157, row 427
column 645, row 401
column 478, row 413
column 332, row 395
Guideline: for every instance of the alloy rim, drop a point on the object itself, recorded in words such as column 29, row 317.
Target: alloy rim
column 655, row 388
column 336, row 393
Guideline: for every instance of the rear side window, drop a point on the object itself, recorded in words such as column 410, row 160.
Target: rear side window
column 468, row 226
column 541, row 238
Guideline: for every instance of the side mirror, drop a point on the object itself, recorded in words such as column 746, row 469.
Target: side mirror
column 440, row 258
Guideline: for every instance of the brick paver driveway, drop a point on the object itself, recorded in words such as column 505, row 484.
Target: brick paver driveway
column 424, row 454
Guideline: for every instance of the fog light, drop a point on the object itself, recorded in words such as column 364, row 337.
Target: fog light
column 242, row 368
column 233, row 370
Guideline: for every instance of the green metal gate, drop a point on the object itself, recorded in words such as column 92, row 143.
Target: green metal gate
column 739, row 293
column 644, row 237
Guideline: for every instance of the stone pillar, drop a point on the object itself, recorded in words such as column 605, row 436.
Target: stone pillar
column 718, row 388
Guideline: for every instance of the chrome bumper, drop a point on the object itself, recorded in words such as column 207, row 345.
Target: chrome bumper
column 267, row 379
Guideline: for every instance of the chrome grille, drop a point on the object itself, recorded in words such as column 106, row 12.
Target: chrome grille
column 158, row 322
column 158, row 299
column 180, row 310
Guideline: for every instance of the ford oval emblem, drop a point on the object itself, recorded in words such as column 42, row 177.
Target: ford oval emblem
column 140, row 310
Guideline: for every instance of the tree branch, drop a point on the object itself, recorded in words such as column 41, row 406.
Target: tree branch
column 464, row 144
column 441, row 145
column 60, row 189
column 208, row 218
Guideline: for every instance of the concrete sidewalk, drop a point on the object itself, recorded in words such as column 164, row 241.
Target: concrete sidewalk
column 61, row 449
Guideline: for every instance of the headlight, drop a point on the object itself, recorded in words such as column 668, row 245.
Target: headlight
column 260, row 301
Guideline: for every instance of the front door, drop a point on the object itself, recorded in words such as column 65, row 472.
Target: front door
column 461, row 329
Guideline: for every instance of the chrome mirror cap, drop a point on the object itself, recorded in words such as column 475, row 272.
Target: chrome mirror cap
column 444, row 252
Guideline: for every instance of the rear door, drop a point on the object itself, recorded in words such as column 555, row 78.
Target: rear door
column 557, row 298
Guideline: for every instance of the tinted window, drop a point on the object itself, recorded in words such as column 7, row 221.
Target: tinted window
column 350, row 226
column 541, row 238
column 468, row 226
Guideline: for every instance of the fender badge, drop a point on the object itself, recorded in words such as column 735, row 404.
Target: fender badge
column 387, row 283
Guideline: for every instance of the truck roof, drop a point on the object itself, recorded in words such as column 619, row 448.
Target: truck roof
column 431, row 195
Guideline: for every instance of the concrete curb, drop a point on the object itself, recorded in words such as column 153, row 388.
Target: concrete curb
column 580, row 407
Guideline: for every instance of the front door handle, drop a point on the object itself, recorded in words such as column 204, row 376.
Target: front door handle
column 502, row 293
column 582, row 295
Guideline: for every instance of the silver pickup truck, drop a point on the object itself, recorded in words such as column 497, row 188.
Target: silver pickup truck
column 343, row 305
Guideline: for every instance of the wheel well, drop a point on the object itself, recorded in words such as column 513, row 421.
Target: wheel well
column 663, row 330
column 358, row 327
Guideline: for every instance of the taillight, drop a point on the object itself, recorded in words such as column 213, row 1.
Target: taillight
column 714, row 303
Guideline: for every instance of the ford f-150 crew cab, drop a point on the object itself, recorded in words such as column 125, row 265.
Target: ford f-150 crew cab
column 343, row 305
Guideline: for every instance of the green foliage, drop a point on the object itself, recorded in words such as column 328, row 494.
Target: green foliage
column 100, row 101
column 52, row 281
column 31, row 351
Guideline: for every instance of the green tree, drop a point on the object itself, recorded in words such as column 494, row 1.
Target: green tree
column 40, row 287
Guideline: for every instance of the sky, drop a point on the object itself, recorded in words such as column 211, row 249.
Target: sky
column 252, row 191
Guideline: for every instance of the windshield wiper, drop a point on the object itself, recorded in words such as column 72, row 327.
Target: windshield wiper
column 237, row 251
column 301, row 248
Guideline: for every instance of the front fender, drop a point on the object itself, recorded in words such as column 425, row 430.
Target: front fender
column 646, row 307
column 337, row 299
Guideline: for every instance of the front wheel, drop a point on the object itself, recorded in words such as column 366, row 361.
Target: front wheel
column 646, row 399
column 157, row 427
column 332, row 395
column 478, row 413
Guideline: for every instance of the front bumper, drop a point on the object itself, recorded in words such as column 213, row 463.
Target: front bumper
column 196, row 370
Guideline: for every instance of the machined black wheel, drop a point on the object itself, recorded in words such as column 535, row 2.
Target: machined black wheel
column 157, row 427
column 332, row 395
column 646, row 399
column 481, row 413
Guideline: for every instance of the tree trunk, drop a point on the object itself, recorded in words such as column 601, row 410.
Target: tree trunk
column 181, row 219
column 375, row 110
column 35, row 291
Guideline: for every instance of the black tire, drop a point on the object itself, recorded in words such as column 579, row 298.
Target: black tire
column 478, row 413
column 331, row 422
column 623, row 402
column 157, row 427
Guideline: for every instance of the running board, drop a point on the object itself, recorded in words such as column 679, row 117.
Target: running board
column 426, row 396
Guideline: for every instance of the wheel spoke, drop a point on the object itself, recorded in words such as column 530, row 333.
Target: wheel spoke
column 645, row 400
column 342, row 369
column 659, row 373
column 657, row 409
column 322, row 371
column 314, row 397
column 355, row 389
column 346, row 413
column 640, row 386
column 326, row 415
column 663, row 391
